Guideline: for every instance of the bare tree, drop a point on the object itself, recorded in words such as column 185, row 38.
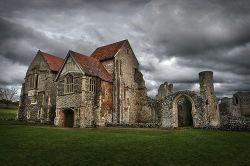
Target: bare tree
column 7, row 95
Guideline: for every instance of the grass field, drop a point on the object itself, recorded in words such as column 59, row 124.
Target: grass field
column 8, row 113
column 23, row 144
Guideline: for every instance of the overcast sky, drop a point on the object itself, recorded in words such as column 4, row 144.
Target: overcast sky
column 173, row 40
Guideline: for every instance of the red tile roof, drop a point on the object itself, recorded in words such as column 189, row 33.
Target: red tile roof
column 91, row 66
column 53, row 61
column 108, row 51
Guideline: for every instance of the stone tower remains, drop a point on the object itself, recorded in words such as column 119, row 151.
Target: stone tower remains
column 164, row 90
column 207, row 92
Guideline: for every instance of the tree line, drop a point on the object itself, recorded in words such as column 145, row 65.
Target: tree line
column 8, row 96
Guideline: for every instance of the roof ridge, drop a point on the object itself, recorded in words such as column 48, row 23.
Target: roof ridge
column 122, row 41
column 74, row 52
column 107, row 51
column 54, row 62
column 91, row 66
column 39, row 51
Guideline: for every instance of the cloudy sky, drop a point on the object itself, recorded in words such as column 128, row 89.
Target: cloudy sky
column 173, row 39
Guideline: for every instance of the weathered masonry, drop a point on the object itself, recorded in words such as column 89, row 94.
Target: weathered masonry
column 235, row 111
column 38, row 94
column 107, row 88
column 86, row 91
column 188, row 108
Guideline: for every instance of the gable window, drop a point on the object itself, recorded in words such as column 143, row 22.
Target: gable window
column 33, row 81
column 68, row 84
column 92, row 85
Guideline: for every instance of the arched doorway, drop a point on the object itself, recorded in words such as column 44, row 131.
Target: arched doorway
column 184, row 111
column 68, row 118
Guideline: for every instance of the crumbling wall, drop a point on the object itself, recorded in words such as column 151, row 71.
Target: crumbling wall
column 207, row 93
column 125, row 87
column 231, row 116
column 169, row 111
column 130, row 101
column 164, row 90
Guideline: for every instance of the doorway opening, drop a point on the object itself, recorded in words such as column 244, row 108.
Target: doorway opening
column 68, row 118
column 184, row 108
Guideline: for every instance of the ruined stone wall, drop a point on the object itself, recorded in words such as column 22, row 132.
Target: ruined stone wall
column 124, row 69
column 131, row 93
column 242, row 99
column 207, row 92
column 164, row 90
column 231, row 116
column 169, row 112
column 146, row 107
column 130, row 101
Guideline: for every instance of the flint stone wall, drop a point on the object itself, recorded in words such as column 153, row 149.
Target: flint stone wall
column 169, row 112
column 43, row 109
column 231, row 117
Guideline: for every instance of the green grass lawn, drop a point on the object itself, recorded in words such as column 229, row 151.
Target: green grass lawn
column 22, row 144
column 8, row 113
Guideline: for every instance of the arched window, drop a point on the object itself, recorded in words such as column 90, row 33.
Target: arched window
column 68, row 84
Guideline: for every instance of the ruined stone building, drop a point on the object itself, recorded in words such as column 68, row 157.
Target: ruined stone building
column 106, row 88
column 235, row 111
column 164, row 90
column 189, row 108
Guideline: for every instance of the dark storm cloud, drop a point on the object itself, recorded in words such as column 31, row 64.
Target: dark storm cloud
column 193, row 27
column 199, row 35
column 19, row 43
column 16, row 6
column 173, row 40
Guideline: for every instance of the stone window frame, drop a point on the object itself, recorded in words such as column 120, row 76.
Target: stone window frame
column 68, row 84
column 33, row 81
column 92, row 85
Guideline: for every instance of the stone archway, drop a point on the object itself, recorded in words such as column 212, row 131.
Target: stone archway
column 68, row 118
column 184, row 106
column 197, row 111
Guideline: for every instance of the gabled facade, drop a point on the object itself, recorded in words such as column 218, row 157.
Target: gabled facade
column 105, row 87
column 38, row 94
column 84, row 93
